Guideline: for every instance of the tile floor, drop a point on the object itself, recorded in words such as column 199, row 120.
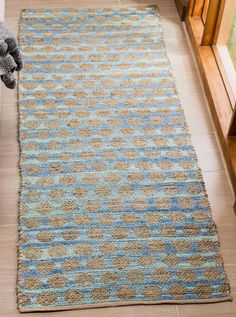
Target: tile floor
column 203, row 138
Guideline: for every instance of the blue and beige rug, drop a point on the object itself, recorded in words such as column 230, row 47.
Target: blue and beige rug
column 113, row 208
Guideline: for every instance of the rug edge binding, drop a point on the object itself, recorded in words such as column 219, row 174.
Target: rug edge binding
column 117, row 304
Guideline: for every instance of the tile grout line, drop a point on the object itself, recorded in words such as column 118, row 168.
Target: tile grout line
column 8, row 225
column 177, row 310
column 229, row 264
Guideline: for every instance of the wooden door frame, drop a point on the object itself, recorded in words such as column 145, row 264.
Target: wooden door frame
column 223, row 57
column 215, row 89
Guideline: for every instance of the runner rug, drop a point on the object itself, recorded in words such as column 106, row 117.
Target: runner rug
column 113, row 208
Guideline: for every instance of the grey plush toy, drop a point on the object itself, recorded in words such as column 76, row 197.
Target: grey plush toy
column 10, row 57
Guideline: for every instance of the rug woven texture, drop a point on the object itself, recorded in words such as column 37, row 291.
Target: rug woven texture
column 113, row 209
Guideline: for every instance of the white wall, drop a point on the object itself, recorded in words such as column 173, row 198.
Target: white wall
column 2, row 10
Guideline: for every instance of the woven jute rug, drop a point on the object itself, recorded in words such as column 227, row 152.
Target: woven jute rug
column 113, row 208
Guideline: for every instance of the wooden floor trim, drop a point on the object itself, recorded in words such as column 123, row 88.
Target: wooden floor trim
column 216, row 94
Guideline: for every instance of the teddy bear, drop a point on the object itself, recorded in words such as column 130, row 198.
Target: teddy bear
column 10, row 57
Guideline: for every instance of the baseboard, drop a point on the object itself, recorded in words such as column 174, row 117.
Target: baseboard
column 181, row 6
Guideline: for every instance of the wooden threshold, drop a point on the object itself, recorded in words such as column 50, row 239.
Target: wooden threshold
column 216, row 93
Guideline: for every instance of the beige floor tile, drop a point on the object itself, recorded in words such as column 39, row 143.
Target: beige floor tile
column 12, row 25
column 206, row 147
column 166, row 8
column 227, row 235
column 204, row 141
column 210, row 160
column 180, row 48
column 160, row 3
column 9, row 133
column 7, row 94
column 222, row 206
column 9, row 147
column 8, row 202
column 199, row 124
column 10, row 114
column 217, row 185
column 172, row 27
column 193, row 103
column 205, row 144
column 14, row 7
